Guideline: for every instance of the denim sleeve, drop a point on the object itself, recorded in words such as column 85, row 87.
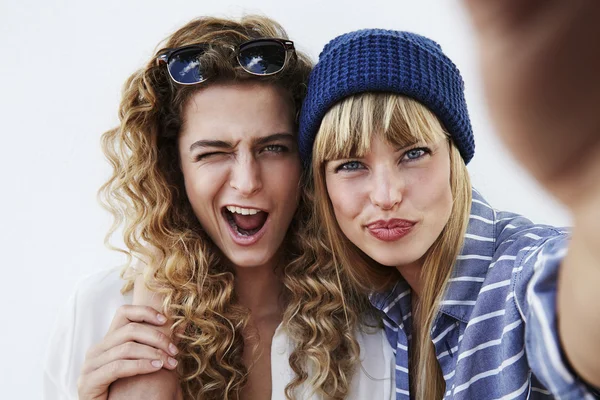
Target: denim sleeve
column 535, row 295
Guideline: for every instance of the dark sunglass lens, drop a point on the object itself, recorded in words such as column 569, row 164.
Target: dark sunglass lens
column 262, row 57
column 184, row 66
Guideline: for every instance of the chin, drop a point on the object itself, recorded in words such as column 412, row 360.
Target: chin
column 392, row 257
column 389, row 261
column 250, row 260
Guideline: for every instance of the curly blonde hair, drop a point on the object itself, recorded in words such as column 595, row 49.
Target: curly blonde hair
column 146, row 196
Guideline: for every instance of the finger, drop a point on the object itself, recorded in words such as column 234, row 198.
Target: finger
column 99, row 380
column 140, row 333
column 130, row 351
column 130, row 313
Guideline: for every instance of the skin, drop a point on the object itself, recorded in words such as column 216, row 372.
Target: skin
column 411, row 183
column 234, row 137
column 246, row 157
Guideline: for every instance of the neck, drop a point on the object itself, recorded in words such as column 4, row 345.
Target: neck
column 259, row 289
column 412, row 274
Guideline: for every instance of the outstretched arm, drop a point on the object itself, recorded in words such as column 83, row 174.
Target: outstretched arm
column 541, row 63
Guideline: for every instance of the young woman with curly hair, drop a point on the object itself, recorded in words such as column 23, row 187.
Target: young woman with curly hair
column 206, row 186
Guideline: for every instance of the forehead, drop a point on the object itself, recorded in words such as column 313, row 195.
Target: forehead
column 237, row 111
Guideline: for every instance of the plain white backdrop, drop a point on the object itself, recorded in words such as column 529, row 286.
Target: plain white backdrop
column 63, row 64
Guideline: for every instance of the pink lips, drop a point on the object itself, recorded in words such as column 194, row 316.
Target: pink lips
column 390, row 230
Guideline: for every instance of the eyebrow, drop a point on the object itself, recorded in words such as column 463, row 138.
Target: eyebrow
column 228, row 145
column 272, row 138
column 210, row 143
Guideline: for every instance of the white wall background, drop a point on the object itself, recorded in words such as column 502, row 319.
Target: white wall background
column 63, row 64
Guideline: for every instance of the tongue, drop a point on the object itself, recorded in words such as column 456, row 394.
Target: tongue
column 250, row 222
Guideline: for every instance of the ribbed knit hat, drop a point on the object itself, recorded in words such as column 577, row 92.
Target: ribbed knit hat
column 376, row 60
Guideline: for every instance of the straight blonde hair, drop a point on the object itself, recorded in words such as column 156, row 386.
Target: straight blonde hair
column 347, row 130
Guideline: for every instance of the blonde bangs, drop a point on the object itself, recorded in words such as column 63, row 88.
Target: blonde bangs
column 348, row 128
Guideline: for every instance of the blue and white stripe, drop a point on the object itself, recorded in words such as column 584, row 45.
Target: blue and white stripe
column 496, row 334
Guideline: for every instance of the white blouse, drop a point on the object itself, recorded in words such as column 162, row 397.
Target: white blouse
column 89, row 313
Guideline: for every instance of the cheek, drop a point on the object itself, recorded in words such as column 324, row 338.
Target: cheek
column 346, row 199
column 430, row 191
column 443, row 194
column 283, row 181
column 201, row 187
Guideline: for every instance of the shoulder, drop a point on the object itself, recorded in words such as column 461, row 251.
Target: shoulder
column 513, row 240
column 506, row 229
column 525, row 247
column 516, row 251
column 94, row 303
column 527, row 258
column 101, row 287
column 81, row 323
column 501, row 246
column 514, row 232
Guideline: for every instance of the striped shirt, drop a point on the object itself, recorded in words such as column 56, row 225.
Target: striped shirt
column 496, row 334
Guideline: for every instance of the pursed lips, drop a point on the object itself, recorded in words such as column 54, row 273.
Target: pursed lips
column 390, row 230
column 391, row 223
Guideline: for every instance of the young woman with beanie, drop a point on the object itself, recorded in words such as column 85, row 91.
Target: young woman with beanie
column 477, row 303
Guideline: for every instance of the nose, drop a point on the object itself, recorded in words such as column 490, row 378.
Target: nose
column 246, row 175
column 386, row 188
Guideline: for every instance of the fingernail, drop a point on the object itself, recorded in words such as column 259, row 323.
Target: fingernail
column 173, row 349
column 161, row 318
column 172, row 361
column 157, row 363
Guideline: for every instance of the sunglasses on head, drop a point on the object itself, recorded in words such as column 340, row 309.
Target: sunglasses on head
column 260, row 57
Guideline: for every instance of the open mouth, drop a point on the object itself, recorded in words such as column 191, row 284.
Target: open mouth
column 245, row 223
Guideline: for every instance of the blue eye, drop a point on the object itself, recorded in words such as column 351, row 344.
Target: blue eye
column 415, row 154
column 349, row 166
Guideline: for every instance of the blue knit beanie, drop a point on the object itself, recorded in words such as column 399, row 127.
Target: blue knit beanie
column 376, row 60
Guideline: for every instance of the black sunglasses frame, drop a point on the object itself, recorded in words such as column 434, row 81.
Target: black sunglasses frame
column 165, row 56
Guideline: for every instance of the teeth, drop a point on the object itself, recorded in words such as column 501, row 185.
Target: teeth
column 243, row 211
